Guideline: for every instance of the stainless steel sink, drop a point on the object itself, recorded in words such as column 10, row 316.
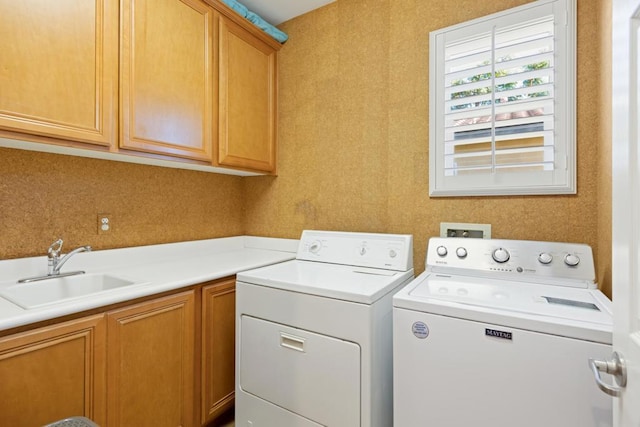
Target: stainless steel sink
column 60, row 289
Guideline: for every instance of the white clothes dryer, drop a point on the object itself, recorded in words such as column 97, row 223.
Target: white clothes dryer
column 314, row 334
column 498, row 333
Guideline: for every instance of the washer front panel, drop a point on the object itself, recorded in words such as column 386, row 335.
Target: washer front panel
column 467, row 373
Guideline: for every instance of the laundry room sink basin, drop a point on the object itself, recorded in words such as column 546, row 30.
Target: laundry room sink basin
column 61, row 289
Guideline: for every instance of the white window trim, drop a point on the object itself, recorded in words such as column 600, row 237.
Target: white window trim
column 563, row 178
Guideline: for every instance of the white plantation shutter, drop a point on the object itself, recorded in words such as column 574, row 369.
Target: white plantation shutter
column 502, row 103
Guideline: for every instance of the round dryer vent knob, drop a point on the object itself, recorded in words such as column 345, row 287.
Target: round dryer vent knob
column 461, row 252
column 393, row 253
column 545, row 258
column 500, row 255
column 571, row 260
column 442, row 251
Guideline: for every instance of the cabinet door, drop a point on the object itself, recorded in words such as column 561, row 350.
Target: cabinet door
column 52, row 373
column 59, row 68
column 150, row 354
column 247, row 100
column 167, row 68
column 218, row 348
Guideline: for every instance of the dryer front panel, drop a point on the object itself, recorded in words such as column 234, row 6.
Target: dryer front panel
column 315, row 376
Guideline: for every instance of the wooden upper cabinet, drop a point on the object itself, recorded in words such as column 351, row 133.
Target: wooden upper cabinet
column 59, row 68
column 166, row 77
column 53, row 373
column 247, row 100
column 173, row 79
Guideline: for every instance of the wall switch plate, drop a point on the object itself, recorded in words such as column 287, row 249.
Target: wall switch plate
column 459, row 229
column 104, row 223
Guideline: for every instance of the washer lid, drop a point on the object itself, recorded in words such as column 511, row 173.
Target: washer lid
column 357, row 284
column 570, row 312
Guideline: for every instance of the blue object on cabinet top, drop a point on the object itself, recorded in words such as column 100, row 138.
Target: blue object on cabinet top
column 257, row 20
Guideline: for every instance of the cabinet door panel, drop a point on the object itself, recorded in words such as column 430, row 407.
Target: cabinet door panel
column 247, row 100
column 150, row 355
column 218, row 349
column 53, row 373
column 166, row 77
column 58, row 75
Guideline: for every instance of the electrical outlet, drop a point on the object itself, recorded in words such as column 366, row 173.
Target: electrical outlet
column 104, row 223
column 456, row 229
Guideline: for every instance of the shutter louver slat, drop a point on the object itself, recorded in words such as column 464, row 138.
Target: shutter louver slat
column 492, row 109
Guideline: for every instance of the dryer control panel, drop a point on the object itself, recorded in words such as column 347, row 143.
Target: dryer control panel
column 374, row 250
column 566, row 264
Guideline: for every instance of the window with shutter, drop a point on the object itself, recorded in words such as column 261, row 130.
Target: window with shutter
column 502, row 103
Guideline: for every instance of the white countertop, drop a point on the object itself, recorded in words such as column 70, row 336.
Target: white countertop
column 158, row 268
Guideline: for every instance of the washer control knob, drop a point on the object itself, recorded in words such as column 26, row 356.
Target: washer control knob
column 571, row 260
column 461, row 252
column 315, row 247
column 442, row 251
column 545, row 258
column 363, row 250
column 393, row 253
column 500, row 255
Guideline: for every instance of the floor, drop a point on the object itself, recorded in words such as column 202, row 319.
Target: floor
column 226, row 420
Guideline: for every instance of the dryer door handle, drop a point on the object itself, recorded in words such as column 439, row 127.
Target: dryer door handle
column 292, row 342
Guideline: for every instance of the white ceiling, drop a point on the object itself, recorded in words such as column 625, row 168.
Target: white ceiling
column 278, row 11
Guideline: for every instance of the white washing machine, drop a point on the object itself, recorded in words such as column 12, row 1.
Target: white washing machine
column 498, row 333
column 314, row 335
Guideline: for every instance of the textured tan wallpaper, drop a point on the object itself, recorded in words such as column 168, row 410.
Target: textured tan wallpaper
column 353, row 131
column 603, row 260
column 353, row 152
column 46, row 196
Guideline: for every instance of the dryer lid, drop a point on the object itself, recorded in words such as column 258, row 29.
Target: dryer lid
column 344, row 282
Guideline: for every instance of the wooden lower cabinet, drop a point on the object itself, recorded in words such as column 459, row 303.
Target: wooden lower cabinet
column 52, row 373
column 150, row 358
column 165, row 361
column 218, row 349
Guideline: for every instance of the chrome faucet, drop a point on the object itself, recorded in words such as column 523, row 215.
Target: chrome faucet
column 55, row 263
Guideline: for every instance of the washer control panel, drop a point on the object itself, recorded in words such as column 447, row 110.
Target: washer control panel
column 568, row 264
column 375, row 250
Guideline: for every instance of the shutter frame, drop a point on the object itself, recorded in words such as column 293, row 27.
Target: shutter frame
column 558, row 117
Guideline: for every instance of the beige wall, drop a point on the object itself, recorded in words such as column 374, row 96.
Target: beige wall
column 603, row 260
column 46, row 196
column 353, row 132
column 353, row 152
